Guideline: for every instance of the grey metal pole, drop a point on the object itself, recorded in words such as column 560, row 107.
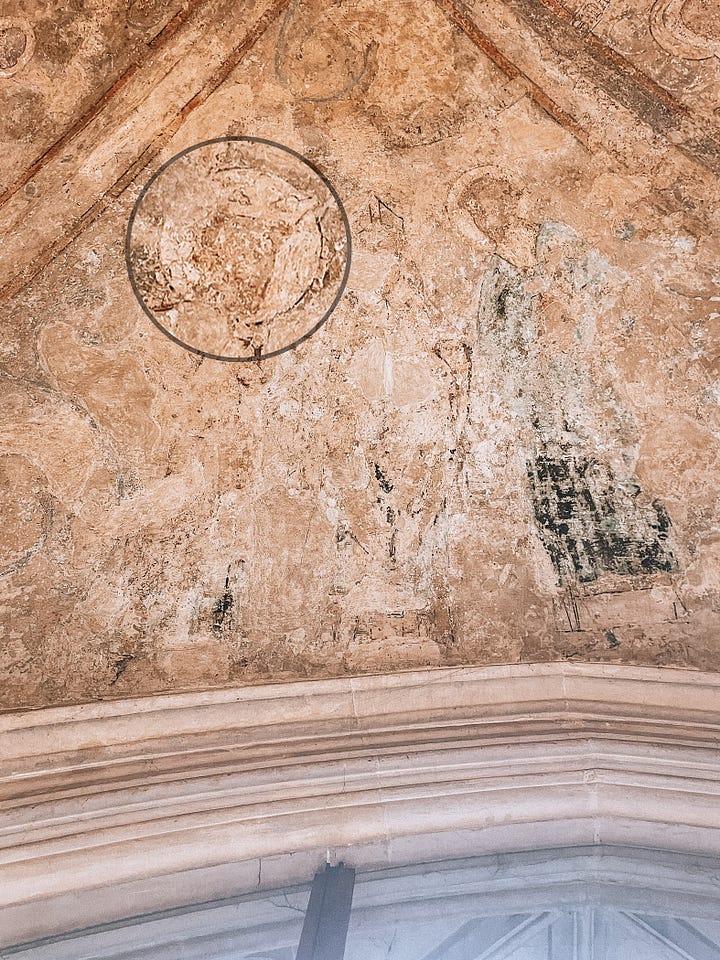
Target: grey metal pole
column 328, row 914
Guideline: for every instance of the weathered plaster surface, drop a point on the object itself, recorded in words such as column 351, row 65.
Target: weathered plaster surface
column 503, row 445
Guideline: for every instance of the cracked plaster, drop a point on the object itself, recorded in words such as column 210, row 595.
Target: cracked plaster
column 534, row 274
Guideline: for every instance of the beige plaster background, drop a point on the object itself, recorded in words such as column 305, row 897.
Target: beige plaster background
column 504, row 443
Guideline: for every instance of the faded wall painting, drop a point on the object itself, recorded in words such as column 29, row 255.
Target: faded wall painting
column 345, row 336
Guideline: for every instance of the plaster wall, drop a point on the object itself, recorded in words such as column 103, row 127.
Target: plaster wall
column 503, row 444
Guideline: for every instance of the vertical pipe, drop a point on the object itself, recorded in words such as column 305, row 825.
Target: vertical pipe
column 328, row 914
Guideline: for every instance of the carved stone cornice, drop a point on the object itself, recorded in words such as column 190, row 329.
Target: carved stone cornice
column 133, row 805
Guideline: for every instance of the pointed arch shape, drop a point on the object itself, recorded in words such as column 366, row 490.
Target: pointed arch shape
column 122, row 807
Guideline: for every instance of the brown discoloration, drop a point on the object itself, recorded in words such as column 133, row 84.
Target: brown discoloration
column 60, row 144
column 73, row 229
column 619, row 78
column 238, row 249
column 502, row 446
column 482, row 42
column 162, row 37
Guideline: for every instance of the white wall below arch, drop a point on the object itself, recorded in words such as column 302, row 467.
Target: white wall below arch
column 124, row 807
column 406, row 912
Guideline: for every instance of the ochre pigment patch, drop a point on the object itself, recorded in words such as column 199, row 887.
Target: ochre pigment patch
column 501, row 444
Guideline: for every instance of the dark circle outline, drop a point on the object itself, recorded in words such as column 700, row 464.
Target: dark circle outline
column 289, row 346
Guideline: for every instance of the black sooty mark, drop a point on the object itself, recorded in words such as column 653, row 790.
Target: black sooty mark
column 591, row 523
column 121, row 665
column 385, row 485
column 222, row 606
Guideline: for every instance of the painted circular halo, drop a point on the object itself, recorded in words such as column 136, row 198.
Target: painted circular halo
column 17, row 45
column 238, row 248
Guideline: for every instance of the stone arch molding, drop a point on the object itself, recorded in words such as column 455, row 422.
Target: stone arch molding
column 126, row 807
column 675, row 36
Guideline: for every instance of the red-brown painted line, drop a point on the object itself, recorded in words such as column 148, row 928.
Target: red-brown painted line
column 60, row 144
column 152, row 46
column 606, row 69
column 693, row 134
column 216, row 79
column 471, row 30
column 17, row 283
column 174, row 24
column 609, row 55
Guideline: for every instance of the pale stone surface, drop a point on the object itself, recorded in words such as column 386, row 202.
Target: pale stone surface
column 504, row 443
column 138, row 805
